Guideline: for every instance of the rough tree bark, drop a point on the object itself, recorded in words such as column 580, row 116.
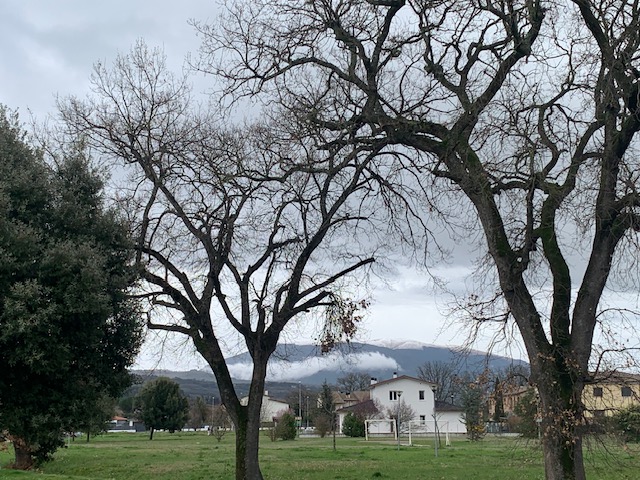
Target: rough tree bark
column 24, row 457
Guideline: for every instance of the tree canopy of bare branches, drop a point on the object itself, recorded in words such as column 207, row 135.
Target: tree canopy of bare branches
column 518, row 117
column 239, row 227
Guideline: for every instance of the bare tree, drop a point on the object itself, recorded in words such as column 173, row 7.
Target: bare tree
column 353, row 382
column 238, row 229
column 444, row 375
column 198, row 413
column 220, row 422
column 401, row 413
column 519, row 117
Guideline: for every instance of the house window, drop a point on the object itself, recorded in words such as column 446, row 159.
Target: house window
column 394, row 395
column 423, row 419
column 598, row 413
column 421, row 394
column 626, row 391
column 597, row 391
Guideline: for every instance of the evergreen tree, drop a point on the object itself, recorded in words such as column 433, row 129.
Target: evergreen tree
column 526, row 411
column 498, row 398
column 353, row 426
column 286, row 427
column 323, row 418
column 163, row 406
column 67, row 330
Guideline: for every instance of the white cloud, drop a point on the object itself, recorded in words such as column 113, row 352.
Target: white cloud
column 284, row 371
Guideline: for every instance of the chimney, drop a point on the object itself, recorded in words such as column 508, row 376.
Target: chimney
column 395, row 374
column 374, row 380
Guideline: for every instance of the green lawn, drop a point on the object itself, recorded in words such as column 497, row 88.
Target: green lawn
column 191, row 456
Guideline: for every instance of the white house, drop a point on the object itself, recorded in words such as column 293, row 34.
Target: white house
column 271, row 407
column 389, row 395
column 450, row 418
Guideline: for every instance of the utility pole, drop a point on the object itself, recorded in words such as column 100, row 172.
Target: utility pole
column 435, row 418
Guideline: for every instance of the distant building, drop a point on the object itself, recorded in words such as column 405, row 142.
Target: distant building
column 450, row 417
column 122, row 424
column 347, row 399
column 511, row 396
column 271, row 407
column 611, row 392
column 606, row 394
column 364, row 410
column 413, row 392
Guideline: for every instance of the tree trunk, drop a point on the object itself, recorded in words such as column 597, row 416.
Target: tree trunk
column 247, row 446
column 333, row 430
column 562, row 456
column 24, row 459
column 562, row 424
column 248, row 424
column 151, row 433
column 88, row 436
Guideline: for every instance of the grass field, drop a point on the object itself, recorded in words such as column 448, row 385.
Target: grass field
column 193, row 456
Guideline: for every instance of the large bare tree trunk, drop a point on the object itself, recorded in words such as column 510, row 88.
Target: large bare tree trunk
column 562, row 424
column 247, row 448
column 246, row 418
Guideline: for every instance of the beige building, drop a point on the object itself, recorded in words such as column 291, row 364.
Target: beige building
column 611, row 392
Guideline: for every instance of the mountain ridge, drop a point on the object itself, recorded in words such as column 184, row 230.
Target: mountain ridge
column 305, row 363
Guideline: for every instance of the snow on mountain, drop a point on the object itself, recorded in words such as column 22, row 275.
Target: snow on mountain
column 396, row 344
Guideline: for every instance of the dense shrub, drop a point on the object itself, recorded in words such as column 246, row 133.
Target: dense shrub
column 526, row 410
column 472, row 399
column 286, row 427
column 627, row 423
column 322, row 423
column 353, row 426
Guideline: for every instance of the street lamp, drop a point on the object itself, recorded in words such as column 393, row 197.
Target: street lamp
column 307, row 412
column 300, row 406
column 435, row 418
column 399, row 395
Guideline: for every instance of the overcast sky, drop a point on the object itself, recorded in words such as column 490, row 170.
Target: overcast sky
column 49, row 48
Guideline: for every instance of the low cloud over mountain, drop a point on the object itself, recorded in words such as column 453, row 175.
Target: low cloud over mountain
column 327, row 365
column 305, row 363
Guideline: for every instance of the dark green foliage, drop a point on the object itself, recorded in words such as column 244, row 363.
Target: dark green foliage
column 286, row 427
column 67, row 330
column 526, row 411
column 326, row 399
column 163, row 406
column 473, row 401
column 627, row 423
column 498, row 397
column 352, row 426
column 127, row 405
